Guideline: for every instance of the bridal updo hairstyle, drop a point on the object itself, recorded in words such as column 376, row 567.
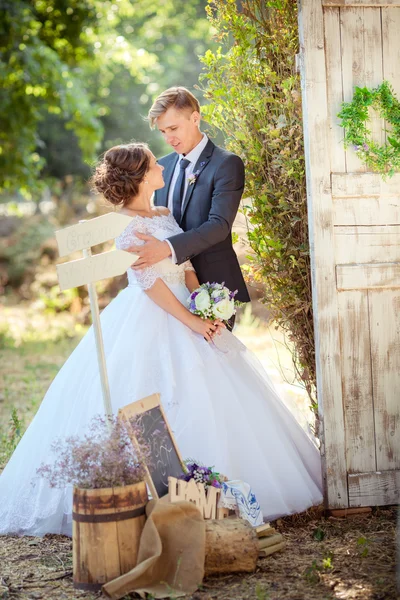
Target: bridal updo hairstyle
column 119, row 174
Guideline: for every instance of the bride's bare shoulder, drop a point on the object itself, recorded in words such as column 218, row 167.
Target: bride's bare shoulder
column 129, row 213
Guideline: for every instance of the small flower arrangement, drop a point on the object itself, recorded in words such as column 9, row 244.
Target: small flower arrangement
column 193, row 177
column 202, row 474
column 213, row 301
column 104, row 457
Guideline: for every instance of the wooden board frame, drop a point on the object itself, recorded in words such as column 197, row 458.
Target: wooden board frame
column 321, row 233
column 354, row 227
column 134, row 410
column 361, row 3
column 367, row 489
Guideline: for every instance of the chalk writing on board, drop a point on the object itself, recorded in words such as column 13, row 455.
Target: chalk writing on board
column 165, row 460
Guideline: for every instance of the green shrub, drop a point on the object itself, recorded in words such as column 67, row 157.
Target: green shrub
column 10, row 438
column 254, row 97
column 6, row 339
column 22, row 251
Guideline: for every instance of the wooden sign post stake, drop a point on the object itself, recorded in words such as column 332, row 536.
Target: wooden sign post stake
column 94, row 309
column 89, row 269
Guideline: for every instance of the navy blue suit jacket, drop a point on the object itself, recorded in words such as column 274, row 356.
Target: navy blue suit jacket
column 208, row 212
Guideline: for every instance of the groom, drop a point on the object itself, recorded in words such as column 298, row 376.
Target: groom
column 203, row 187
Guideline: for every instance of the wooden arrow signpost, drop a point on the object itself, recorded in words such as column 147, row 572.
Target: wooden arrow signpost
column 89, row 269
column 93, row 268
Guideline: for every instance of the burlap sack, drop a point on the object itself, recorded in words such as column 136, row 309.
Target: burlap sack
column 171, row 553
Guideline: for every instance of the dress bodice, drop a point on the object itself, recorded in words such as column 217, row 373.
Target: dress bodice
column 161, row 227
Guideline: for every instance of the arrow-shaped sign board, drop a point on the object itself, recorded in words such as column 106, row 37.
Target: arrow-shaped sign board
column 93, row 268
column 89, row 233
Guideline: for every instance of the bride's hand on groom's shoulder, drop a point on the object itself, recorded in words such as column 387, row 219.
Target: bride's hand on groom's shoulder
column 150, row 253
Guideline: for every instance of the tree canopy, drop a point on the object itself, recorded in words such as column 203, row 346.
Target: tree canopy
column 78, row 75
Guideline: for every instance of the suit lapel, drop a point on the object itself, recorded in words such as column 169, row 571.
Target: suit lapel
column 202, row 162
column 161, row 197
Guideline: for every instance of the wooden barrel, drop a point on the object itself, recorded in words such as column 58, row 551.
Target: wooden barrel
column 107, row 525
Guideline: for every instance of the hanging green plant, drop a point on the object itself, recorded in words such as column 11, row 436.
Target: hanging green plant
column 384, row 159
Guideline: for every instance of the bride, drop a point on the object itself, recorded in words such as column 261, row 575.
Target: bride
column 221, row 405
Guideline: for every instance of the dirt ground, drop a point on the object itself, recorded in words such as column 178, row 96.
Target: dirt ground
column 325, row 558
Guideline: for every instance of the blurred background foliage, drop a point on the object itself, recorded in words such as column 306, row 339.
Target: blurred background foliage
column 78, row 76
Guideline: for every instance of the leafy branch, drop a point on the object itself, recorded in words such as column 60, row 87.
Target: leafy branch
column 254, row 98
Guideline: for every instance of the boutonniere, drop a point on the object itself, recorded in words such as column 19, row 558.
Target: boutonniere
column 193, row 178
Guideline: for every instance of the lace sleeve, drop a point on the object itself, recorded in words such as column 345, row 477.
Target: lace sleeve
column 188, row 266
column 146, row 277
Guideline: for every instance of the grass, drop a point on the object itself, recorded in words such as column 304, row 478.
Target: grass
column 27, row 372
column 30, row 358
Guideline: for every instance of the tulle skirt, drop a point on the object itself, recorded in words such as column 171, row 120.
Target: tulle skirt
column 219, row 402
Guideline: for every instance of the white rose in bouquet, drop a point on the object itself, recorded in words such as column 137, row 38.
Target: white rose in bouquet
column 202, row 300
column 217, row 293
column 213, row 300
column 224, row 309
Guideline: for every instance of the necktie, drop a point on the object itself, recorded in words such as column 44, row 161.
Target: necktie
column 178, row 190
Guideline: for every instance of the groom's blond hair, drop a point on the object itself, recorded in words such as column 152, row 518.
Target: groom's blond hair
column 178, row 97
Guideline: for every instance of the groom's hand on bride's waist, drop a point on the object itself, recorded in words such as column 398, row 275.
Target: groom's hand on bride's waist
column 151, row 252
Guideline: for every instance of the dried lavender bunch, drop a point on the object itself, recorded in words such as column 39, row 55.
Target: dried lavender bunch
column 104, row 457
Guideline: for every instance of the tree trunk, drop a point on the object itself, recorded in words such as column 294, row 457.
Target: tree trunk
column 231, row 547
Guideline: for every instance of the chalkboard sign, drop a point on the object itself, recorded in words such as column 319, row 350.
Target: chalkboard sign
column 166, row 459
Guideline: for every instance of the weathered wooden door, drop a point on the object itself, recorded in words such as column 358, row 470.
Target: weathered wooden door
column 354, row 219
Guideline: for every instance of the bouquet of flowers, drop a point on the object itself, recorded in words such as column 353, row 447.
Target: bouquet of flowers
column 202, row 474
column 213, row 301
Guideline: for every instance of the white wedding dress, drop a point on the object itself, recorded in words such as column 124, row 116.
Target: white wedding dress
column 220, row 404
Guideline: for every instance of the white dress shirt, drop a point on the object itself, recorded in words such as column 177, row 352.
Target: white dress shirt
column 193, row 156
